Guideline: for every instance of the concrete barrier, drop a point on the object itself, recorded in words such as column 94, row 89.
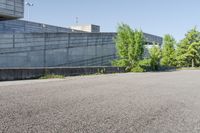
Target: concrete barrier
column 34, row 73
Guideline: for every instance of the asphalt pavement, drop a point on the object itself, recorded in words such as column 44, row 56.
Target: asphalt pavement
column 166, row 102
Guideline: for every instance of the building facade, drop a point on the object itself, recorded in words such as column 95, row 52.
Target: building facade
column 11, row 9
column 30, row 44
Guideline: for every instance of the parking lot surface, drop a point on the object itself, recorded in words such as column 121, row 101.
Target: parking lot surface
column 166, row 102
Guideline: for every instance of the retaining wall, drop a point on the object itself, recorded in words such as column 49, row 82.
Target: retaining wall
column 33, row 73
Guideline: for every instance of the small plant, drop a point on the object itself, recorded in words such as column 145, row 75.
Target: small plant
column 52, row 76
column 137, row 69
column 101, row 71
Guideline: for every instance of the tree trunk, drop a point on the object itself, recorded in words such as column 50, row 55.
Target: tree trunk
column 192, row 62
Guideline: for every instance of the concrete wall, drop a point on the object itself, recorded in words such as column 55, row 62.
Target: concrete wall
column 150, row 39
column 56, row 49
column 11, row 9
column 21, row 26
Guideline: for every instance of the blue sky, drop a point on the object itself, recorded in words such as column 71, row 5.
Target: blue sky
column 157, row 17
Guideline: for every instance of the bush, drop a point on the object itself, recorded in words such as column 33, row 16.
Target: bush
column 142, row 66
column 137, row 69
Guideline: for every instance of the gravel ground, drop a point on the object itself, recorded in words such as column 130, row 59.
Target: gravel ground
column 119, row 103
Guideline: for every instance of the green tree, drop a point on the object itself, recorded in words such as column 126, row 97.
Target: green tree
column 188, row 49
column 181, row 56
column 193, row 54
column 130, row 46
column 168, row 51
column 155, row 56
column 138, row 47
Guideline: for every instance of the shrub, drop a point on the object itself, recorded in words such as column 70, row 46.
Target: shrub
column 137, row 69
column 142, row 66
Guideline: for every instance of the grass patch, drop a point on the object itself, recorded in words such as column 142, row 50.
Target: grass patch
column 52, row 76
column 189, row 68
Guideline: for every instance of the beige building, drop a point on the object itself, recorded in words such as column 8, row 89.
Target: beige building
column 87, row 28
